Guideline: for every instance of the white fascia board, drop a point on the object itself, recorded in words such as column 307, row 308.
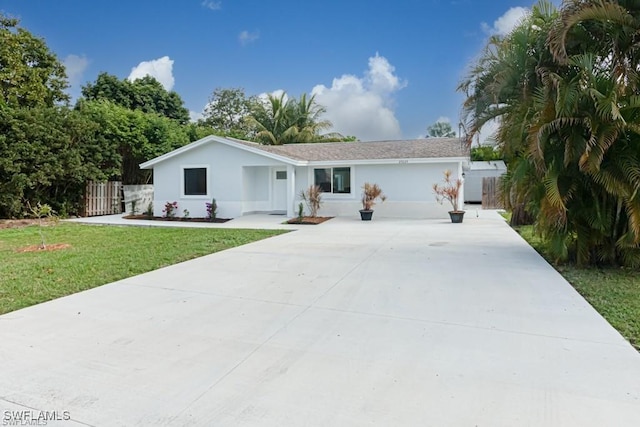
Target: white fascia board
column 150, row 163
column 214, row 138
column 283, row 159
column 388, row 161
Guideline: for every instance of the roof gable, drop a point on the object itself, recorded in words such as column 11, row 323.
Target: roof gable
column 212, row 139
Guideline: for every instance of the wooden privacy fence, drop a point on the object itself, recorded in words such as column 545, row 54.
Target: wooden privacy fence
column 491, row 193
column 102, row 198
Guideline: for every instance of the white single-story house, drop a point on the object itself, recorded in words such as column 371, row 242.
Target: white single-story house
column 245, row 177
column 474, row 172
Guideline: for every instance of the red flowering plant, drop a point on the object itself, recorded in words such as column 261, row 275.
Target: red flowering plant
column 449, row 190
column 170, row 209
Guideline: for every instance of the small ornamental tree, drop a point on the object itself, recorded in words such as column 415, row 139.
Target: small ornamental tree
column 41, row 212
column 449, row 190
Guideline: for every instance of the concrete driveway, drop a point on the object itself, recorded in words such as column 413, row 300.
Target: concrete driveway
column 389, row 323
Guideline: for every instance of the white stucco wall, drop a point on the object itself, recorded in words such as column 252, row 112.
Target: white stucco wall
column 226, row 175
column 256, row 189
column 243, row 182
column 408, row 188
column 474, row 175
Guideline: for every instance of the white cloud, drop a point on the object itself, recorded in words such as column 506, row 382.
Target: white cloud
column 363, row 106
column 212, row 4
column 507, row 22
column 264, row 96
column 161, row 69
column 75, row 66
column 245, row 37
column 487, row 133
column 194, row 116
column 443, row 119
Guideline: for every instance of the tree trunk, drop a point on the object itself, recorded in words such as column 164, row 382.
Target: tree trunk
column 519, row 216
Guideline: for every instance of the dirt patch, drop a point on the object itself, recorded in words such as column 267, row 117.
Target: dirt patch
column 309, row 220
column 161, row 218
column 39, row 248
column 20, row 223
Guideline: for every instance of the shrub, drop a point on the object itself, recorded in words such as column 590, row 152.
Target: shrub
column 170, row 209
column 212, row 209
column 149, row 211
column 485, row 153
column 313, row 198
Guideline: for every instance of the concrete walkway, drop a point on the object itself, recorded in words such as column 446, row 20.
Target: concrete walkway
column 258, row 221
column 389, row 323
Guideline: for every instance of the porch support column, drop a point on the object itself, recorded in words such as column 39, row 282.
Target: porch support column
column 291, row 190
column 461, row 194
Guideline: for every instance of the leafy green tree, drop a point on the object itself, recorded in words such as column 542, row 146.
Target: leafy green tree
column 440, row 130
column 135, row 135
column 48, row 153
column 564, row 85
column 227, row 111
column 146, row 94
column 280, row 120
column 485, row 153
column 199, row 130
column 30, row 74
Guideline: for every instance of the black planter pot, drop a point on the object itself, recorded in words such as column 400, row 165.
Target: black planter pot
column 366, row 215
column 456, row 216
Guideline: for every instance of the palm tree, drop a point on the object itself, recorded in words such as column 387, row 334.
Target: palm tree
column 564, row 87
column 599, row 40
column 502, row 86
column 269, row 118
column 279, row 120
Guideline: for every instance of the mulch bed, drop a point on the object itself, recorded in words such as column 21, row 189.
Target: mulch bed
column 309, row 220
column 161, row 218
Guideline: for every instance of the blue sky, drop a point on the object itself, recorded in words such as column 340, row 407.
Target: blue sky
column 383, row 69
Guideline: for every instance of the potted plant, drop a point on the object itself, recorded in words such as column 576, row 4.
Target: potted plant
column 370, row 193
column 450, row 191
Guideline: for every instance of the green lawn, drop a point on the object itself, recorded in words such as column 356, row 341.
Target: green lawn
column 99, row 255
column 613, row 292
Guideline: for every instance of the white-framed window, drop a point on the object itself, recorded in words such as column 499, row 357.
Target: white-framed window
column 195, row 180
column 333, row 180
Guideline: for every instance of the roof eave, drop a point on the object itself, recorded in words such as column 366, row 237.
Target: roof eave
column 408, row 160
column 150, row 163
column 213, row 138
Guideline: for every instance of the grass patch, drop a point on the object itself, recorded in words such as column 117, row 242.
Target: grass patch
column 613, row 292
column 99, row 255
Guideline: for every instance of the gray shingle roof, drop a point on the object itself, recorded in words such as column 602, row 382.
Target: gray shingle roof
column 374, row 150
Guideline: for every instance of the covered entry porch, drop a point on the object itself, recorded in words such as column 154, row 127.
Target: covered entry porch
column 268, row 189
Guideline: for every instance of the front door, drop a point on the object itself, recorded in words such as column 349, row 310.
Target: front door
column 279, row 193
